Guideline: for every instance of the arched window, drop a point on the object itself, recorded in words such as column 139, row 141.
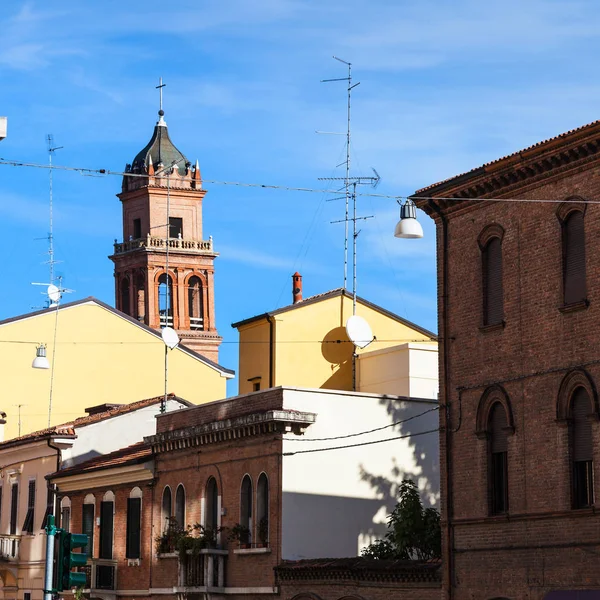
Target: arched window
column 134, row 524
column 166, row 509
column 107, row 513
column 125, row 303
column 211, row 520
column 262, row 509
column 246, row 509
column 140, row 297
column 65, row 513
column 180, row 506
column 165, row 300
column 493, row 302
column 581, row 449
column 498, row 466
column 195, row 303
column 573, row 245
column 87, row 520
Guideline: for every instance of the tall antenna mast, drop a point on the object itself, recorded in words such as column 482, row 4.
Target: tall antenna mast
column 51, row 150
column 347, row 161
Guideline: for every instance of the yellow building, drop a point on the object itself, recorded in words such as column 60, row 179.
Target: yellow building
column 100, row 355
column 305, row 344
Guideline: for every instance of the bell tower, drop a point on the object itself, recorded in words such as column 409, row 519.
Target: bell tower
column 162, row 198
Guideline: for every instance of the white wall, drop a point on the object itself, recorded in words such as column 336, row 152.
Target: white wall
column 405, row 370
column 328, row 509
column 114, row 433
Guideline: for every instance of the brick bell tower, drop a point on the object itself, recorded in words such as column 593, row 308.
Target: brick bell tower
column 161, row 175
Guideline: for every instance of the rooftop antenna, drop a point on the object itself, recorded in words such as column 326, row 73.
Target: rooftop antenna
column 350, row 184
column 51, row 262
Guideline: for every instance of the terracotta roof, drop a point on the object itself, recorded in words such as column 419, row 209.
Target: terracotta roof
column 68, row 429
column 537, row 146
column 332, row 294
column 136, row 453
column 113, row 310
column 359, row 568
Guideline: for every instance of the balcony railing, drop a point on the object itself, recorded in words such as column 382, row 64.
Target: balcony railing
column 101, row 574
column 158, row 243
column 9, row 547
column 203, row 570
column 196, row 323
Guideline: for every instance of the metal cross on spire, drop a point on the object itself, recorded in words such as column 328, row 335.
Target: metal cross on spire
column 159, row 87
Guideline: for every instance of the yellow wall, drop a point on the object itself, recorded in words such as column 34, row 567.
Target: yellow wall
column 306, row 350
column 100, row 357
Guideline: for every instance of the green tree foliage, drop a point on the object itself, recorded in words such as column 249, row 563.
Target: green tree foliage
column 414, row 533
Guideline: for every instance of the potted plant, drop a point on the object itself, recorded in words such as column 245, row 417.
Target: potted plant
column 241, row 533
column 263, row 532
column 167, row 541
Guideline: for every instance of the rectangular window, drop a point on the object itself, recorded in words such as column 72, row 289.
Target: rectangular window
column 65, row 518
column 29, row 517
column 256, row 386
column 26, row 595
column 134, row 517
column 88, row 527
column 14, row 507
column 106, row 529
column 499, row 482
column 49, row 506
column 583, row 483
column 137, row 229
column 175, row 227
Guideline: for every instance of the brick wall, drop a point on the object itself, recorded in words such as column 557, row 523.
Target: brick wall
column 363, row 590
column 542, row 544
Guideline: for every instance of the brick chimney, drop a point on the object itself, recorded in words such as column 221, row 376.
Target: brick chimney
column 297, row 287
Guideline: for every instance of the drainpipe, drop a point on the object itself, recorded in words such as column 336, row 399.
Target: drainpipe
column 448, row 563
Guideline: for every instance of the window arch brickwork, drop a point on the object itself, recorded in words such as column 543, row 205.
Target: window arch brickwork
column 571, row 216
column 490, row 243
column 492, row 395
column 571, row 381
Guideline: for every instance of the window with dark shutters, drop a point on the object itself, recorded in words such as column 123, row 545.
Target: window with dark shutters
column 246, row 509
column 166, row 508
column 106, row 529
column 212, row 501
column 29, row 517
column 65, row 518
column 180, row 506
column 574, row 285
column 493, row 305
column 134, row 517
column 14, row 507
column 88, row 527
column 498, row 444
column 581, row 450
column 49, row 507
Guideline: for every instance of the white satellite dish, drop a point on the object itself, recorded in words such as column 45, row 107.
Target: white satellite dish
column 170, row 337
column 359, row 331
column 53, row 293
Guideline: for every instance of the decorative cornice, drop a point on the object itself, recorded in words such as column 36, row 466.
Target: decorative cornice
column 107, row 477
column 272, row 421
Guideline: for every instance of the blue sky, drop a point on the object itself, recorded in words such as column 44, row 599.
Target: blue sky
column 445, row 86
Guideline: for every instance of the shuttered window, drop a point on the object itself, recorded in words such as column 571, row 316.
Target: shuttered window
column 581, row 450
column 134, row 516
column 14, row 500
column 49, row 507
column 212, row 501
column 574, row 258
column 498, row 467
column 65, row 518
column 88, row 527
column 30, row 515
column 493, row 305
column 106, row 529
column 180, row 506
column 166, row 509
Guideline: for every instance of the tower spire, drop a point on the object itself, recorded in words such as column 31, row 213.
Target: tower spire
column 161, row 112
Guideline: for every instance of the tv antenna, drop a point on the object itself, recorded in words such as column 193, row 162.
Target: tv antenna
column 350, row 184
column 51, row 262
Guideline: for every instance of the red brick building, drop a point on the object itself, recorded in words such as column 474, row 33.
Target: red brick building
column 519, row 301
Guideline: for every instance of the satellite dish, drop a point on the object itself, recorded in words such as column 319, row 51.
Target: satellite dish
column 359, row 331
column 170, row 337
column 53, row 293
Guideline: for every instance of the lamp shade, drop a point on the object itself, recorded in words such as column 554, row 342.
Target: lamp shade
column 40, row 361
column 408, row 226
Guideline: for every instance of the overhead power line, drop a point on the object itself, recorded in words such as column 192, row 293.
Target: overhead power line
column 400, row 437
column 341, row 437
column 102, row 172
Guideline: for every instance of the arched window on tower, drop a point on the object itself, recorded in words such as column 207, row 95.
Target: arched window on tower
column 125, row 303
column 140, row 297
column 493, row 309
column 165, row 300
column 498, row 466
column 582, row 449
column 195, row 303
column 574, row 284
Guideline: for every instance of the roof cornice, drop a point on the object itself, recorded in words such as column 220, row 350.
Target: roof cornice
column 521, row 171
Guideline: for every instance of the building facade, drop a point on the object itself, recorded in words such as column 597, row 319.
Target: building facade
column 519, row 370
column 162, row 197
